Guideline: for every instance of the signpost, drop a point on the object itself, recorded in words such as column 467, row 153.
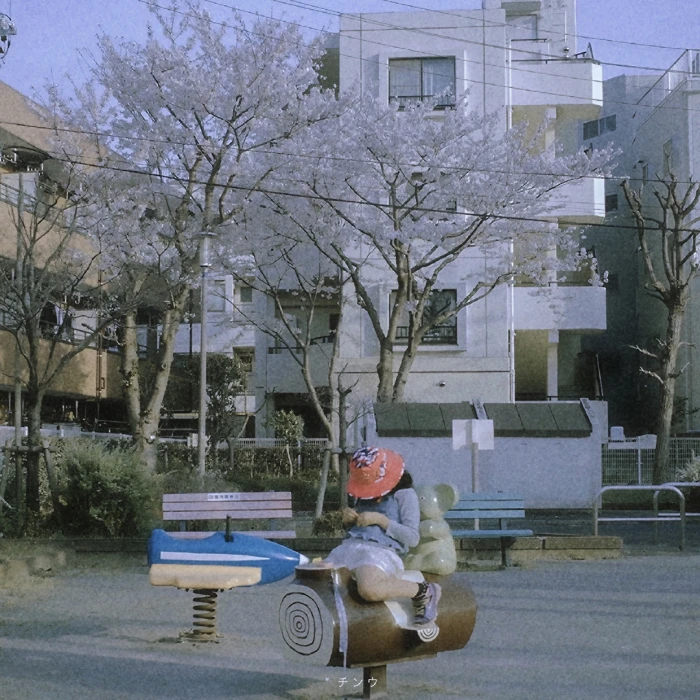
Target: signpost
column 475, row 434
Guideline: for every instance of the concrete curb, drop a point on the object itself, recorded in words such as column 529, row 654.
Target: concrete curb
column 469, row 551
column 523, row 550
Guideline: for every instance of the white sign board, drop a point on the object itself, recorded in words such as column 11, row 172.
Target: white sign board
column 466, row 433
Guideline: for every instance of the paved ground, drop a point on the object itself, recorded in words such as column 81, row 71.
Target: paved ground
column 625, row 629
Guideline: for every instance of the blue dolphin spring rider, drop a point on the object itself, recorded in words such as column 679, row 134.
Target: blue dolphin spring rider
column 220, row 561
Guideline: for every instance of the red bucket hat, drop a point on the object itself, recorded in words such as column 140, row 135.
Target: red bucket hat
column 373, row 472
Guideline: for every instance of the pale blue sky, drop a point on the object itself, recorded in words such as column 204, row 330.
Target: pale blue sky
column 51, row 32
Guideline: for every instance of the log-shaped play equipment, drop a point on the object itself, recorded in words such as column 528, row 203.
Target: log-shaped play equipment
column 324, row 621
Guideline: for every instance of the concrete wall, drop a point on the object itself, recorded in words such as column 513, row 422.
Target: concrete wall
column 547, row 473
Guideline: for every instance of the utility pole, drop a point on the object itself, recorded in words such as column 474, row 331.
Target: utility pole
column 204, row 266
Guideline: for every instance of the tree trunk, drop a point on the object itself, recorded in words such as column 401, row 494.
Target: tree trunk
column 323, row 481
column 34, row 400
column 146, row 445
column 404, row 370
column 669, row 360
column 143, row 411
column 385, row 372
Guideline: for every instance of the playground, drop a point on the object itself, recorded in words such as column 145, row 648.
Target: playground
column 624, row 629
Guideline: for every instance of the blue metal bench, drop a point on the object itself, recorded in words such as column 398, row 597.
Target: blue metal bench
column 489, row 506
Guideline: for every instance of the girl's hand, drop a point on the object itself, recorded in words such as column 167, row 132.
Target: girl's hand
column 365, row 519
column 349, row 516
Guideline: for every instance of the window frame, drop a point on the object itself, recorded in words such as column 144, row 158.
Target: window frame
column 249, row 291
column 667, row 157
column 216, row 302
column 610, row 200
column 603, row 125
column 445, row 335
column 445, row 101
column 514, row 25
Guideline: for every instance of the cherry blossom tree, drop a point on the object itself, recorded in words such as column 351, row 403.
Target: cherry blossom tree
column 188, row 125
column 412, row 197
column 51, row 295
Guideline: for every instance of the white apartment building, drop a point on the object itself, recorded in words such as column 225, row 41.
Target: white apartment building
column 519, row 60
column 655, row 121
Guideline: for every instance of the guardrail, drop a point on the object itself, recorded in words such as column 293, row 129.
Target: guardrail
column 654, row 519
column 671, row 515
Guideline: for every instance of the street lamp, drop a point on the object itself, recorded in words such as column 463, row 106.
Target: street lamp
column 7, row 29
column 204, row 266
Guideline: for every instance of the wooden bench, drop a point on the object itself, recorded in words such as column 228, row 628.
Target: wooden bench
column 489, row 506
column 266, row 505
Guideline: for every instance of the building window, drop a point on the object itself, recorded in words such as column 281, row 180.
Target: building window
column 612, row 283
column 333, row 321
column 216, row 300
column 610, row 202
column 522, row 27
column 598, row 127
column 442, row 334
column 644, row 167
column 418, row 79
column 245, row 358
column 245, row 294
column 668, row 158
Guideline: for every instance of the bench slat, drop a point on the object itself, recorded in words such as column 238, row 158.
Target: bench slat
column 492, row 533
column 227, row 507
column 266, row 534
column 490, row 497
column 227, row 497
column 485, row 503
column 221, row 514
column 482, row 513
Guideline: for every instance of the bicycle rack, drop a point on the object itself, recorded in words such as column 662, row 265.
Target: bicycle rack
column 655, row 519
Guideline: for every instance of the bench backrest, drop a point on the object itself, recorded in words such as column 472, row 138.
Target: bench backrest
column 487, row 505
column 217, row 506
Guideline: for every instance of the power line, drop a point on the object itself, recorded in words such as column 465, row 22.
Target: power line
column 367, row 17
column 539, row 30
column 340, row 200
column 475, row 81
column 308, row 156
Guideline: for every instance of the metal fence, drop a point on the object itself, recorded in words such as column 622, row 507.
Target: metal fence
column 248, row 443
column 630, row 461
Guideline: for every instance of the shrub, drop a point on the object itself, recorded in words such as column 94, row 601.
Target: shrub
column 304, row 490
column 690, row 471
column 106, row 490
column 329, row 524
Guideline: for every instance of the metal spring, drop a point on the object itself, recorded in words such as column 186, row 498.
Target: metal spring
column 205, row 615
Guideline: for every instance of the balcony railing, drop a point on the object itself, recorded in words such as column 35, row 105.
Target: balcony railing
column 319, row 340
column 442, row 102
column 438, row 335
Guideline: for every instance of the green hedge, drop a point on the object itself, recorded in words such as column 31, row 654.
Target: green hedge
column 106, row 492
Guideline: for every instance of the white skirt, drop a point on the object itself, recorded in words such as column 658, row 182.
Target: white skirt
column 354, row 553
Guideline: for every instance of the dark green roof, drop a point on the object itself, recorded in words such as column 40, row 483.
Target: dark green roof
column 524, row 419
